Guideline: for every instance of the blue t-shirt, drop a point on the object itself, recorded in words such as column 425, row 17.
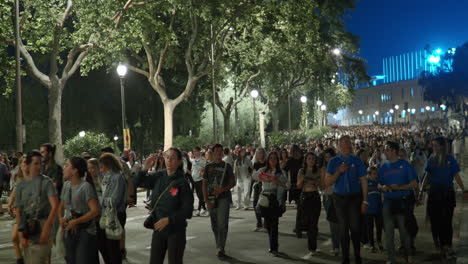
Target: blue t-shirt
column 442, row 176
column 374, row 198
column 399, row 172
column 348, row 182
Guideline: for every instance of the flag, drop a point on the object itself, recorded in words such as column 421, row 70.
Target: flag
column 127, row 138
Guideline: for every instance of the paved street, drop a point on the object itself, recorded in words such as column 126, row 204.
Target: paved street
column 245, row 246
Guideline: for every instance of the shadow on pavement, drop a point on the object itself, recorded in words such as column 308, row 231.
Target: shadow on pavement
column 233, row 260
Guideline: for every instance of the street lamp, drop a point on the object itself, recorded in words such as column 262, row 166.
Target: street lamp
column 303, row 99
column 376, row 113
column 122, row 71
column 397, row 107
column 254, row 94
column 428, row 108
column 319, row 103
column 391, row 111
column 323, row 108
column 360, row 112
column 82, row 134
column 336, row 51
column 304, row 110
column 115, row 142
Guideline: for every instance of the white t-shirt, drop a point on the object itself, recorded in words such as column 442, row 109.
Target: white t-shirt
column 197, row 166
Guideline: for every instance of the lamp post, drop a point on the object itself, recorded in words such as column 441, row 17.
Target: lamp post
column 360, row 115
column 122, row 71
column 323, row 108
column 392, row 115
column 115, row 142
column 319, row 104
column 19, row 103
column 304, row 110
column 254, row 94
column 427, row 110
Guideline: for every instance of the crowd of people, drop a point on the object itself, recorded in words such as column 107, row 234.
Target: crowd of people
column 368, row 180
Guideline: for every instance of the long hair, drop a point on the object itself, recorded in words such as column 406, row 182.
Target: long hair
column 240, row 160
column 51, row 148
column 440, row 159
column 278, row 168
column 110, row 162
column 260, row 149
column 315, row 167
column 81, row 165
column 20, row 174
column 332, row 154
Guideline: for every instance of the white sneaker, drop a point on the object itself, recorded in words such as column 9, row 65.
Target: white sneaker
column 258, row 229
column 311, row 254
column 245, row 208
column 203, row 212
column 367, row 246
column 197, row 213
column 238, row 208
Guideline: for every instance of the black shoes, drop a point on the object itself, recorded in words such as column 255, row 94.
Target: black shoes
column 221, row 254
column 273, row 252
column 20, row 261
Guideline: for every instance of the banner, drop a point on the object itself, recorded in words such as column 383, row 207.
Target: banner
column 127, row 139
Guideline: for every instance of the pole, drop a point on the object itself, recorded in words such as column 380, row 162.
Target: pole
column 19, row 107
column 289, row 118
column 255, row 121
column 122, row 96
column 215, row 134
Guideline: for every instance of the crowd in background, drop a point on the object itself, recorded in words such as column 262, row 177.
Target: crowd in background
column 362, row 176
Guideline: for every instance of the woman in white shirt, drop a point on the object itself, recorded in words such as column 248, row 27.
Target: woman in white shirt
column 243, row 172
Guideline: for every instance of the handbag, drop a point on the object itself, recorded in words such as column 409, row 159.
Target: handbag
column 151, row 219
column 114, row 229
column 263, row 200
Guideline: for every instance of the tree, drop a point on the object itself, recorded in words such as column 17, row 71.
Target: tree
column 64, row 32
column 448, row 84
column 175, row 35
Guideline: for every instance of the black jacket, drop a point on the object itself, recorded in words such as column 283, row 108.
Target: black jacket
column 175, row 203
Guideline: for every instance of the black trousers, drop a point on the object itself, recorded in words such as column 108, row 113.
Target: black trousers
column 257, row 189
column 110, row 248
column 271, row 224
column 198, row 189
column 348, row 212
column 172, row 242
column 440, row 207
column 371, row 221
column 308, row 214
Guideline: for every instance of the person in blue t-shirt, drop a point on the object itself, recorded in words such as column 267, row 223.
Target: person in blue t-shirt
column 347, row 174
column 374, row 210
column 397, row 179
column 441, row 170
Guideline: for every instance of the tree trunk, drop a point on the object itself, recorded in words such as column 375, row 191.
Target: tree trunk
column 227, row 128
column 169, row 106
column 275, row 117
column 55, row 118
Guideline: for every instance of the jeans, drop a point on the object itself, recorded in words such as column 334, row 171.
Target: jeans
column 348, row 211
column 198, row 189
column 242, row 188
column 334, row 226
column 440, row 207
column 220, row 222
column 309, row 212
column 172, row 242
column 271, row 224
column 80, row 248
column 370, row 221
column 389, row 225
column 257, row 189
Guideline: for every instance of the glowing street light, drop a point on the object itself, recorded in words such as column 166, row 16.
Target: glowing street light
column 319, row 103
column 323, row 107
column 116, row 138
column 443, row 107
column 360, row 112
column 334, row 116
column 438, row 51
column 397, row 107
column 254, row 93
column 337, row 51
column 122, row 70
column 391, row 111
column 82, row 134
column 303, row 99
column 376, row 113
column 428, row 108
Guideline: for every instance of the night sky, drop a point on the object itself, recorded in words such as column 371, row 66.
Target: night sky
column 389, row 28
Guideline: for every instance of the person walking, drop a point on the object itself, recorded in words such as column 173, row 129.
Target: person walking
column 309, row 182
column 274, row 185
column 172, row 205
column 373, row 214
column 114, row 196
column 198, row 165
column 78, row 209
column 347, row 174
column 442, row 169
column 259, row 161
column 243, row 172
column 397, row 179
column 36, row 210
column 218, row 180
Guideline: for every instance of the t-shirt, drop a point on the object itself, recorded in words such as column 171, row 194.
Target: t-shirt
column 197, row 166
column 214, row 175
column 292, row 166
column 442, row 176
column 80, row 196
column 374, row 198
column 32, row 204
column 349, row 181
column 399, row 172
column 55, row 173
column 3, row 173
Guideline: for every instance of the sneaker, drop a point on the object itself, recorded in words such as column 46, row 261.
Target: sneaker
column 245, row 208
column 123, row 253
column 264, row 230
column 258, row 229
column 197, row 213
column 367, row 246
column 274, row 252
column 204, row 212
column 221, row 254
column 238, row 208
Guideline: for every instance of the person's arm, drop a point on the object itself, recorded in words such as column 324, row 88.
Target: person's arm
column 12, row 201
column 330, row 178
column 459, row 181
column 410, row 186
column 60, row 213
column 89, row 216
column 300, row 179
column 23, row 240
column 364, row 187
column 44, row 238
column 145, row 180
